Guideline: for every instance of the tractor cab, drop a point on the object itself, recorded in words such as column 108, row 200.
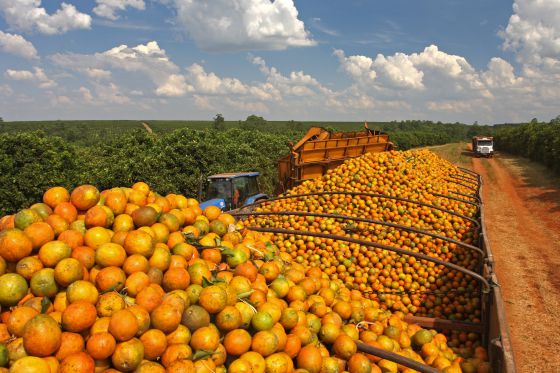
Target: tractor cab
column 230, row 191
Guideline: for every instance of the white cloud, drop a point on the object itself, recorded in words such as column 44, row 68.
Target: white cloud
column 96, row 73
column 500, row 74
column 108, row 8
column 210, row 83
column 16, row 44
column 174, row 86
column 432, row 73
column 358, row 67
column 37, row 76
column 148, row 59
column 533, row 31
column 243, row 24
column 86, row 94
column 28, row 15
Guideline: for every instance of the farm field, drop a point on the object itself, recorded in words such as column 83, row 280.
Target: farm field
column 522, row 207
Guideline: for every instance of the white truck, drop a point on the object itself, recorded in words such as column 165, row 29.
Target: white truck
column 483, row 146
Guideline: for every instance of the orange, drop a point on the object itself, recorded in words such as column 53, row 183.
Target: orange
column 212, row 212
column 139, row 242
column 28, row 266
column 85, row 255
column 72, row 238
column 25, row 218
column 205, row 338
column 110, row 278
column 155, row 343
column 237, row 342
column 39, row 233
column 55, row 196
column 79, row 316
column 116, row 200
column 13, row 288
column 30, row 364
column 166, row 318
column 265, row 343
column 53, row 252
column 18, row 318
column 67, row 271
column 70, row 344
column 176, row 279
column 57, row 223
column 77, row 362
column 123, row 325
column 213, row 299
column 109, row 303
column 175, row 353
column 14, row 245
column 97, row 236
column 101, row 345
column 41, row 336
column 99, row 216
column 85, row 197
column 67, row 211
column 82, row 291
column 110, row 254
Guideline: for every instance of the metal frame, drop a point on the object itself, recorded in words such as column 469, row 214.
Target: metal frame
column 374, row 195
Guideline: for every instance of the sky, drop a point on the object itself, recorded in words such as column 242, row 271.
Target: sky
column 330, row 60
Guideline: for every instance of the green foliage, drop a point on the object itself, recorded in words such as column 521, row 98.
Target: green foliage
column 219, row 123
column 535, row 140
column 30, row 163
column 174, row 159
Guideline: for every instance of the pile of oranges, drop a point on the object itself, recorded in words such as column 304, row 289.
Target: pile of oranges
column 399, row 282
column 126, row 280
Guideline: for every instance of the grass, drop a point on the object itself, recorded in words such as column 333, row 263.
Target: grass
column 456, row 153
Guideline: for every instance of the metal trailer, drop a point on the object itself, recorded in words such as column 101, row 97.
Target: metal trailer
column 493, row 328
column 320, row 150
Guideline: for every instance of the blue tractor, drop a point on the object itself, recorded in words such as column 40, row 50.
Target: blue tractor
column 230, row 191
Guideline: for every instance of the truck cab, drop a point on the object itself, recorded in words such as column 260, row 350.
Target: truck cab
column 230, row 191
column 483, row 146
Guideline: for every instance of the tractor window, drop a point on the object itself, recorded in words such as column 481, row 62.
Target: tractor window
column 219, row 188
column 240, row 184
column 252, row 186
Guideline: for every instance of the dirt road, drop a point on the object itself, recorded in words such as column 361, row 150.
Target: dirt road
column 522, row 206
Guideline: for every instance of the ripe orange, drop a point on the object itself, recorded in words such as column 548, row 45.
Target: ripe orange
column 41, row 336
column 123, row 325
column 85, row 197
column 56, row 195
column 212, row 212
column 39, row 233
column 14, row 245
column 67, row 211
column 237, row 342
column 155, row 343
column 79, row 316
column 70, row 344
column 101, row 345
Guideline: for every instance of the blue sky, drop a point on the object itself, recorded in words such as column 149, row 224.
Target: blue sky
column 489, row 61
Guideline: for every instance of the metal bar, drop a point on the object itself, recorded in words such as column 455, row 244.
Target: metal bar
column 457, row 199
column 365, row 220
column 469, row 171
column 397, row 250
column 475, row 197
column 467, row 179
column 443, row 324
column 465, row 185
column 409, row 363
column 374, row 195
